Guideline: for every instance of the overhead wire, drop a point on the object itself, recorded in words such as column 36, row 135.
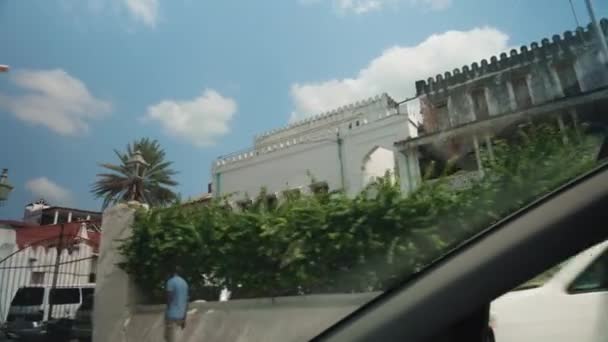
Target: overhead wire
column 574, row 13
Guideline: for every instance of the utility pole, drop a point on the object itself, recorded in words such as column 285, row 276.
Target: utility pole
column 598, row 30
column 339, row 140
column 56, row 272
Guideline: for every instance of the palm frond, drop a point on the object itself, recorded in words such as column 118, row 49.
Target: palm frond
column 152, row 185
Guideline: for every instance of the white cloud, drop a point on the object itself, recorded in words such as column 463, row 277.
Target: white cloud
column 54, row 99
column 397, row 68
column 200, row 121
column 436, row 5
column 359, row 6
column 366, row 6
column 55, row 194
column 144, row 10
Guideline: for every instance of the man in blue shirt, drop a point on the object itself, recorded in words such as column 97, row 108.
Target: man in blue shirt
column 177, row 306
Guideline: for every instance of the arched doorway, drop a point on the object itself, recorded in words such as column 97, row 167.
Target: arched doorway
column 376, row 163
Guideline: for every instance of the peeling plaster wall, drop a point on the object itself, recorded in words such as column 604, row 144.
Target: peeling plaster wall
column 539, row 64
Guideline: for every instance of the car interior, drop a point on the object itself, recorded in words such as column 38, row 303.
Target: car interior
column 450, row 300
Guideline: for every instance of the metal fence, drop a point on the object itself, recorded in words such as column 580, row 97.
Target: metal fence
column 36, row 276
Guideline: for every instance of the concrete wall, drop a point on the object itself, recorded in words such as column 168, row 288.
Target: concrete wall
column 115, row 293
column 252, row 320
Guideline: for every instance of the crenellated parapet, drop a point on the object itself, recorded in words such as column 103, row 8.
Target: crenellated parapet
column 316, row 129
column 566, row 43
column 324, row 119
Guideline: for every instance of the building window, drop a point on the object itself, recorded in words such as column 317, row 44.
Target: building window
column 522, row 93
column 568, row 80
column 47, row 219
column 37, row 278
column 480, row 104
column 319, row 188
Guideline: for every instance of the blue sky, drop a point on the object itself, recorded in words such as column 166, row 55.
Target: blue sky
column 203, row 77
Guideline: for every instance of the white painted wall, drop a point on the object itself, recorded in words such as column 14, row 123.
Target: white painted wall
column 380, row 104
column 289, row 167
column 282, row 170
column 361, row 142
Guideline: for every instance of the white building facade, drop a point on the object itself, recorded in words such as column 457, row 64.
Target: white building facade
column 342, row 149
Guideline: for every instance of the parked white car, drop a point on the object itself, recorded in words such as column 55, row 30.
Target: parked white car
column 567, row 303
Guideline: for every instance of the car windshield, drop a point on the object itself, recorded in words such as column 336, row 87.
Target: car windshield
column 300, row 155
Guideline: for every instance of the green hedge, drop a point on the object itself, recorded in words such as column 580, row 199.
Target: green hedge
column 329, row 243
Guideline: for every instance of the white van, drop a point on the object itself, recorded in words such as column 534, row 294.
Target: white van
column 32, row 303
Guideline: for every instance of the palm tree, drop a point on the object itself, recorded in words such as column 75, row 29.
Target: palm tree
column 148, row 182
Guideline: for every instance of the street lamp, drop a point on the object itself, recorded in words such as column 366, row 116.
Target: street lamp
column 5, row 186
column 136, row 162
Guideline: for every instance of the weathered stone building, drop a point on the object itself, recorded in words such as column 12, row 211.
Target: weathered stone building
column 562, row 79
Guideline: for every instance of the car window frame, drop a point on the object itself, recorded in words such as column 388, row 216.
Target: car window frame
column 603, row 256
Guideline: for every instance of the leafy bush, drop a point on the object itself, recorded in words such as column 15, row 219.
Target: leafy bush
column 327, row 243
